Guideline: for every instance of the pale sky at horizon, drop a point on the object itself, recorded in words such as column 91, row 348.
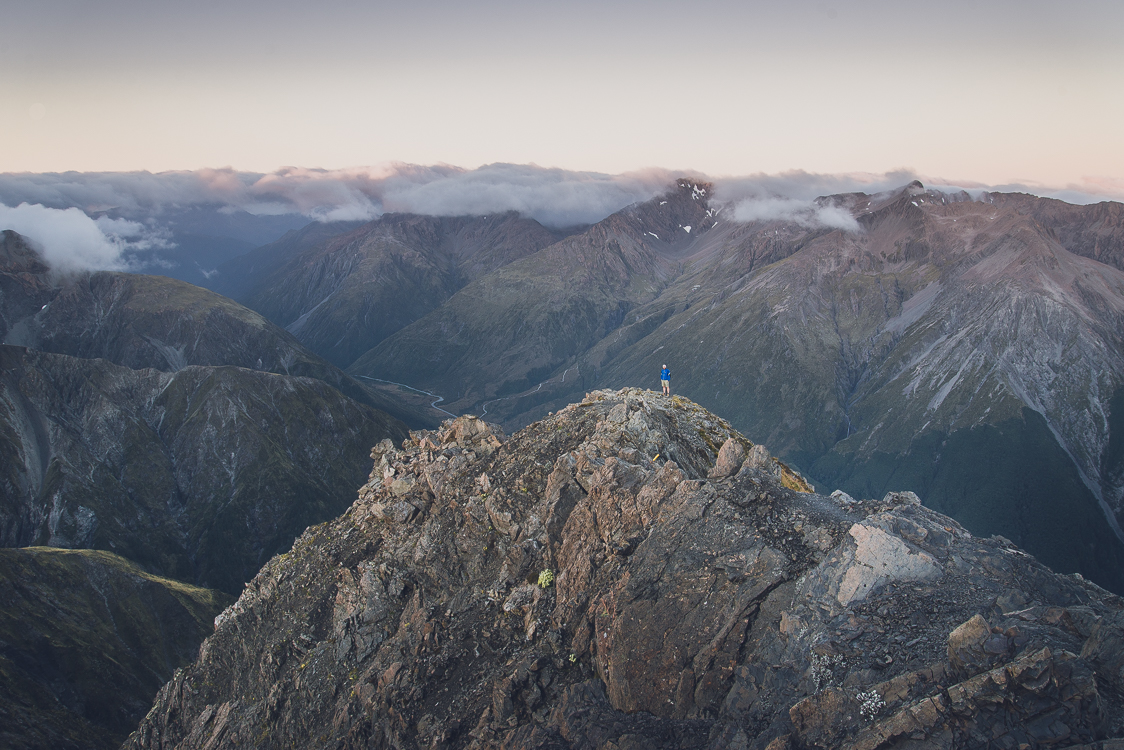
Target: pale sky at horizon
column 993, row 93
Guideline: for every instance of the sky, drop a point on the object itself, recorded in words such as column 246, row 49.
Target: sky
column 971, row 93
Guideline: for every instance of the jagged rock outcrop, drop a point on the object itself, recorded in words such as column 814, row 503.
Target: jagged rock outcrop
column 86, row 640
column 613, row 577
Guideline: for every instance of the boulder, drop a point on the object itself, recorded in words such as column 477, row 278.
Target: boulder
column 730, row 458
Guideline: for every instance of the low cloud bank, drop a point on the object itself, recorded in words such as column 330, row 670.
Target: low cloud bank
column 806, row 186
column 791, row 196
column 555, row 197
column 86, row 221
column 798, row 185
column 552, row 196
column 137, row 210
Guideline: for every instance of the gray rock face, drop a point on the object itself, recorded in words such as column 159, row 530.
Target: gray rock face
column 566, row 588
column 200, row 474
column 730, row 459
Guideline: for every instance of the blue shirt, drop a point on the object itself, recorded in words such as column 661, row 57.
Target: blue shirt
column 665, row 374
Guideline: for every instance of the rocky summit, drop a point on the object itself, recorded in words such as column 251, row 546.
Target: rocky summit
column 631, row 572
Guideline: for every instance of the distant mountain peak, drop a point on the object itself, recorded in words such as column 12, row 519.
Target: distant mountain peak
column 700, row 190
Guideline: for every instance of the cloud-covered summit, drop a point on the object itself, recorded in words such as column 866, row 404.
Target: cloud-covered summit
column 69, row 240
column 100, row 220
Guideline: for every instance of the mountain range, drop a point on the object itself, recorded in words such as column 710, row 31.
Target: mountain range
column 349, row 292
column 963, row 347
column 967, row 348
column 149, row 417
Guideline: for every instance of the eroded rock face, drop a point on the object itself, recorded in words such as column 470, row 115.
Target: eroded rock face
column 632, row 573
column 879, row 557
column 200, row 474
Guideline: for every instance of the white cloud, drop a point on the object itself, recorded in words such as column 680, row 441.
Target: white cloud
column 768, row 209
column 806, row 186
column 69, row 240
column 133, row 235
column 552, row 196
column 835, row 217
column 802, row 212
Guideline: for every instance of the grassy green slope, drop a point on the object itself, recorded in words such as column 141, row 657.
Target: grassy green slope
column 86, row 641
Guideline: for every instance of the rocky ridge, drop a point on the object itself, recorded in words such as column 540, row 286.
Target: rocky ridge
column 201, row 474
column 631, row 572
column 342, row 295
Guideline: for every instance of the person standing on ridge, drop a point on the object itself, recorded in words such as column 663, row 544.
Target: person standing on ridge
column 665, row 380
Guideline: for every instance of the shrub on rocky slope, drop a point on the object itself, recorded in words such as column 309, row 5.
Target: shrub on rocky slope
column 702, row 597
